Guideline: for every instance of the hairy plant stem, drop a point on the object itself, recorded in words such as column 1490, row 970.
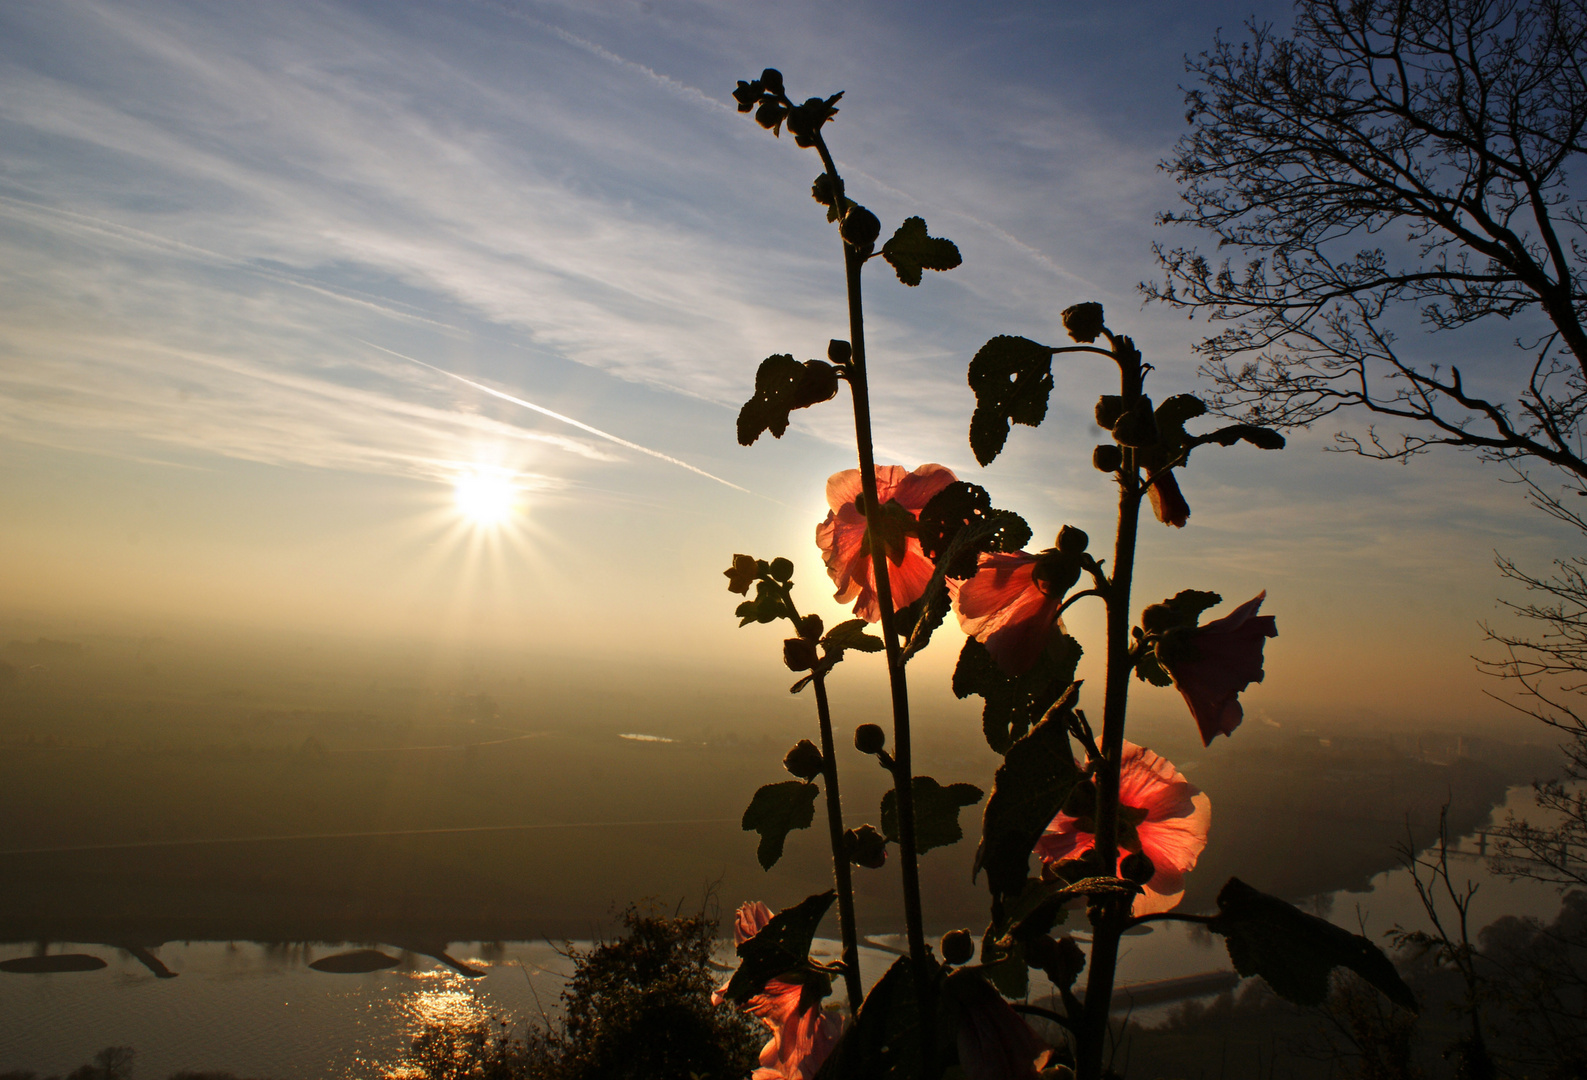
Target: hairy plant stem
column 1110, row 918
column 903, row 769
column 842, row 875
column 841, row 870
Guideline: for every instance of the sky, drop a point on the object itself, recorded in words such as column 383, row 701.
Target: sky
column 274, row 278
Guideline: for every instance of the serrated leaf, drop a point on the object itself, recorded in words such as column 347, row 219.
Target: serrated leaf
column 1031, row 785
column 783, row 384
column 1294, row 952
column 776, row 810
column 957, row 507
column 851, row 635
column 886, row 1041
column 1012, row 379
column 783, row 945
column 912, row 250
column 1015, row 702
column 936, row 812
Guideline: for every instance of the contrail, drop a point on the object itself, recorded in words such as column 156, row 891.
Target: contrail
column 558, row 416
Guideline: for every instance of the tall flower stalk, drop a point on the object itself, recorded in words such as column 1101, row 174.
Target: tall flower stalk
column 948, row 546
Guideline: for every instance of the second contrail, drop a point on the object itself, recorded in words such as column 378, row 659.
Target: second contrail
column 542, row 410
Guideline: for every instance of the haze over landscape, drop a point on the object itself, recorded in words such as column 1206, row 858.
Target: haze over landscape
column 368, row 379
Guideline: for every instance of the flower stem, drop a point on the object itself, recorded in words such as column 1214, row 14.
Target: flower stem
column 903, row 785
column 1109, row 919
column 842, row 872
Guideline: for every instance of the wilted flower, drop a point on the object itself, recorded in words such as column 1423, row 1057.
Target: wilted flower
column 1161, row 815
column 841, row 536
column 994, row 1042
column 802, row 1034
column 1213, row 663
column 1168, row 502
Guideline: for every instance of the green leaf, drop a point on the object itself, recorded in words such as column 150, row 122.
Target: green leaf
column 936, row 812
column 1012, row 378
column 886, row 1041
column 1036, row 776
column 1015, row 702
column 1294, row 952
column 774, row 812
column 783, row 384
column 912, row 250
column 783, row 945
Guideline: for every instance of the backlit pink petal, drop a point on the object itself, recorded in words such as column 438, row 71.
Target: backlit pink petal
column 798, row 1047
column 1228, row 659
column 1004, row 609
column 841, row 537
column 1173, row 833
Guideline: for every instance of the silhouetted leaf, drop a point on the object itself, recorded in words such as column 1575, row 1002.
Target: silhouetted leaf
column 958, row 506
column 912, row 250
column 886, row 1040
column 936, row 812
column 783, row 945
column 1294, row 952
column 774, row 812
column 783, row 384
column 1015, row 702
column 1260, row 437
column 1012, row 378
column 851, row 635
column 1036, row 776
column 1003, row 962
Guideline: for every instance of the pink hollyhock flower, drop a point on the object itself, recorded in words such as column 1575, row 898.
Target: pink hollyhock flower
column 1224, row 657
column 1161, row 814
column 994, row 1041
column 1007, row 609
column 802, row 1036
column 1168, row 502
column 841, row 536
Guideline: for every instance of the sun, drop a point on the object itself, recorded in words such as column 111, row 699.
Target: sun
column 485, row 498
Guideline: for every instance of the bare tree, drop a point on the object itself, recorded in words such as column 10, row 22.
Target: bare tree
column 1389, row 161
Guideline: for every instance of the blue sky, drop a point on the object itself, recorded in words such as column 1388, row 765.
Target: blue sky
column 227, row 232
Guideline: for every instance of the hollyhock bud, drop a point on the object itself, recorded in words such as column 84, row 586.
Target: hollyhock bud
column 771, row 79
column 1109, row 408
column 804, row 760
column 866, row 847
column 1137, row 425
column 1107, row 458
column 860, row 229
column 957, row 947
column 799, row 654
column 810, row 627
column 870, row 739
column 1083, row 321
column 839, row 351
column 1072, row 541
column 1137, row 867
